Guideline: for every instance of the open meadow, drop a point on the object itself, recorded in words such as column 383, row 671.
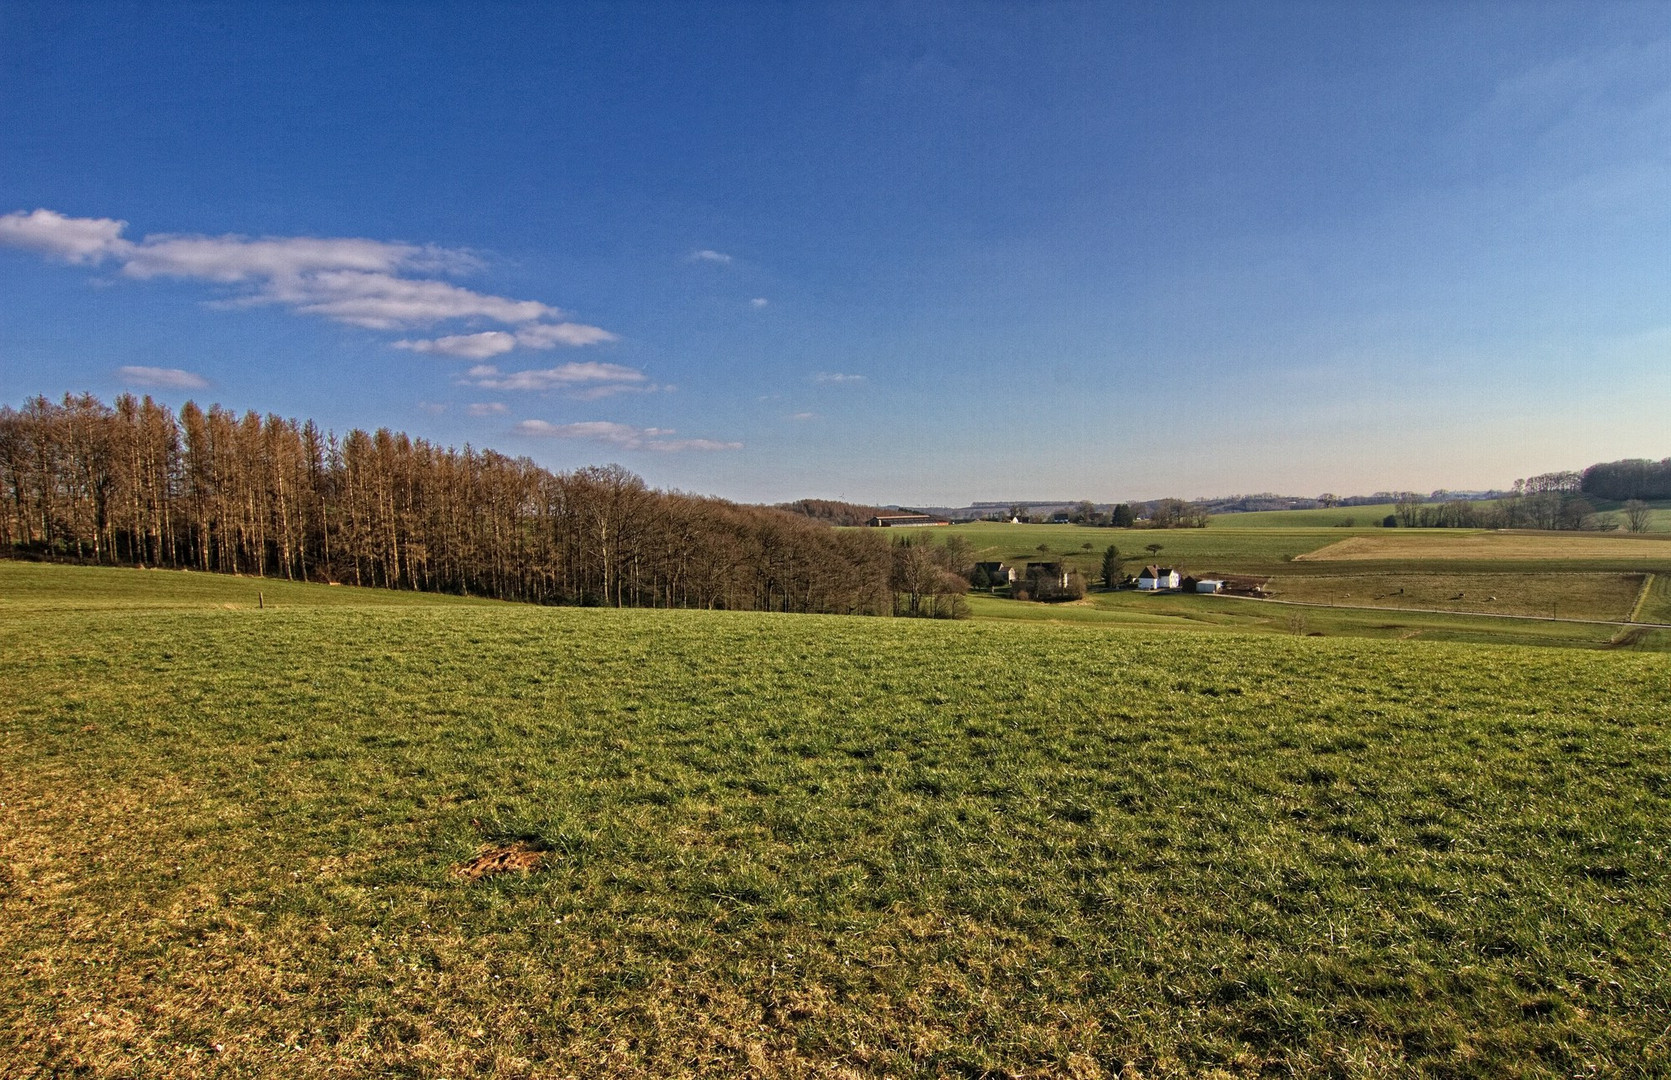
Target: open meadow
column 231, row 839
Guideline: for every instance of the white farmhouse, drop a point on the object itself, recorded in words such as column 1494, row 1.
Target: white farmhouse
column 1155, row 578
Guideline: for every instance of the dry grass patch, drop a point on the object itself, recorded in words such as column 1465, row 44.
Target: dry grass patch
column 517, row 858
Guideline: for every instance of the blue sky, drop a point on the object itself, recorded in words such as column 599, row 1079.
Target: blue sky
column 916, row 253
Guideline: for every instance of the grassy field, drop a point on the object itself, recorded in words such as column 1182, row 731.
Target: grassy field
column 798, row 846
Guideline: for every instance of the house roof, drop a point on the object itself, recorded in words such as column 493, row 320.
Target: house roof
column 1157, row 572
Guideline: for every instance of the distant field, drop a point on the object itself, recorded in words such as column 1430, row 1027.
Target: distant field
column 1573, row 595
column 1659, row 516
column 1442, row 544
column 811, row 846
column 1654, row 605
column 1335, row 517
column 1659, row 520
column 1222, row 549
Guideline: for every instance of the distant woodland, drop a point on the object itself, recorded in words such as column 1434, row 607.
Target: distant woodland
column 134, row 484
column 1633, row 479
column 833, row 512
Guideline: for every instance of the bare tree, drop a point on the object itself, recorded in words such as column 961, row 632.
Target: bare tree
column 1637, row 516
column 270, row 496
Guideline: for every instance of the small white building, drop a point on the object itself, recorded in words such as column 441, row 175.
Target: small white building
column 1156, row 578
column 1209, row 585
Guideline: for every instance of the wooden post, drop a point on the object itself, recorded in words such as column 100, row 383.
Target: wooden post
column 260, row 601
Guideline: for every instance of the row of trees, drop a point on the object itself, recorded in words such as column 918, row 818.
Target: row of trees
column 1159, row 514
column 210, row 490
column 1553, row 501
column 832, row 511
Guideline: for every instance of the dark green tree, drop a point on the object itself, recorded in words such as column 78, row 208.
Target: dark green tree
column 1110, row 566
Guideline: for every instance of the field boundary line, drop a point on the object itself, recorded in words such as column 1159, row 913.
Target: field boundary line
column 1642, row 595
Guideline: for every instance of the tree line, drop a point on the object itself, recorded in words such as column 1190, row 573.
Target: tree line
column 832, row 511
column 1637, row 478
column 134, row 484
column 1156, row 514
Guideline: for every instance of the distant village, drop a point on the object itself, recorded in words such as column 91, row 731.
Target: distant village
column 1049, row 580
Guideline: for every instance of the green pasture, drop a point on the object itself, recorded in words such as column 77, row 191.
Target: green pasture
column 810, row 846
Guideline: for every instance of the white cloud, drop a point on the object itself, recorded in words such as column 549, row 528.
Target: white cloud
column 162, row 378
column 487, row 408
column 232, row 258
column 76, row 240
column 804, row 416
column 705, row 255
column 495, row 342
column 369, row 283
column 758, row 302
column 470, row 346
column 836, row 378
column 380, row 301
column 433, row 408
column 587, row 380
column 545, row 335
column 623, row 435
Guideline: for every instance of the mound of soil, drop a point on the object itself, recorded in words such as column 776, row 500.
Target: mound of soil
column 517, row 858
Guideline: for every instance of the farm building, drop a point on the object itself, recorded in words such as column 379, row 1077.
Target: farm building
column 1195, row 584
column 884, row 521
column 1156, row 578
column 1046, row 576
column 996, row 572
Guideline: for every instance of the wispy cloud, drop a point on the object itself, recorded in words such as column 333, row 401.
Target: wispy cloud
column 487, row 408
column 470, row 346
column 489, row 343
column 623, row 435
column 758, row 302
column 836, row 378
column 706, row 255
column 803, row 416
column 162, row 378
column 369, row 283
column 587, row 380
column 433, row 408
